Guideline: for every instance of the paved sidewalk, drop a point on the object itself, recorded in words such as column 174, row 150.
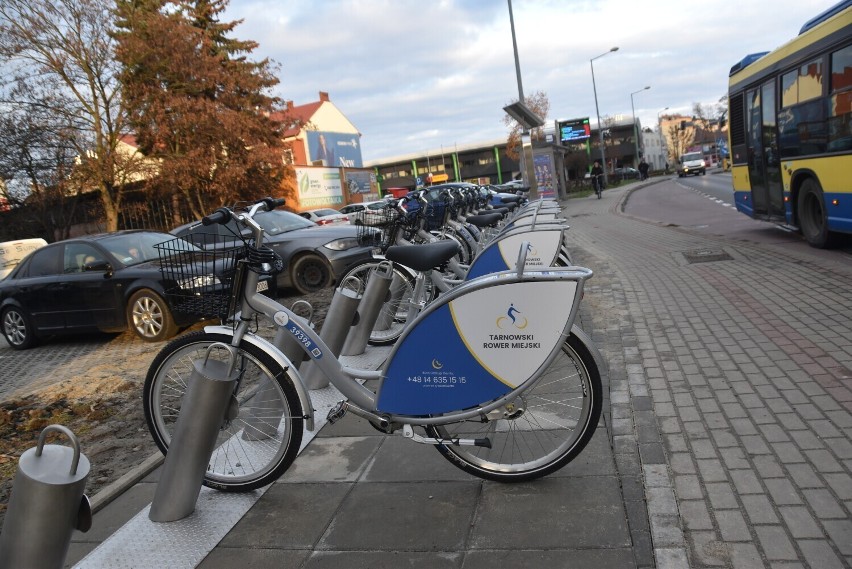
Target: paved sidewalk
column 740, row 360
column 725, row 441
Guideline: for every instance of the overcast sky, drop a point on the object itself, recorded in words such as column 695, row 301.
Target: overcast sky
column 417, row 75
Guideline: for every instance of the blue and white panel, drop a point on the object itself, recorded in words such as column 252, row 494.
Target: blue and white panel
column 500, row 255
column 476, row 347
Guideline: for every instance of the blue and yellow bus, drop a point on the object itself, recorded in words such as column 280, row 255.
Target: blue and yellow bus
column 790, row 130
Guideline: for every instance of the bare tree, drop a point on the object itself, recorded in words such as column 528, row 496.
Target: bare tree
column 681, row 139
column 59, row 54
column 722, row 110
column 540, row 105
column 36, row 163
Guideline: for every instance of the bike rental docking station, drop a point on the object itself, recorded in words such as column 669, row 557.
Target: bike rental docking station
column 208, row 398
column 183, row 511
column 47, row 504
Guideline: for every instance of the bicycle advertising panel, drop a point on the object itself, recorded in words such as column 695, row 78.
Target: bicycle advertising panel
column 543, row 250
column 478, row 346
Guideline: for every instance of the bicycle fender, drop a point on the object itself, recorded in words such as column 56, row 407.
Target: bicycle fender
column 281, row 359
column 586, row 340
column 402, row 268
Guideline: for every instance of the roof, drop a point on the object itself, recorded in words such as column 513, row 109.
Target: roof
column 301, row 115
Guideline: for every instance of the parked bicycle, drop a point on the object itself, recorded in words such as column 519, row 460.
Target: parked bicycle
column 493, row 374
column 416, row 283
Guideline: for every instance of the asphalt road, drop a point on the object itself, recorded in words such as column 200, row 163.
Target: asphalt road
column 704, row 205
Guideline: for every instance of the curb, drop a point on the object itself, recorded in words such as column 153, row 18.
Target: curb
column 115, row 489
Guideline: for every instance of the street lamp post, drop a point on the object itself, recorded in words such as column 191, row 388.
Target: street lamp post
column 635, row 130
column 662, row 138
column 598, row 112
column 526, row 161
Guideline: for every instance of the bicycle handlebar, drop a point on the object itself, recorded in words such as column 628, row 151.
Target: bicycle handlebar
column 220, row 216
column 223, row 214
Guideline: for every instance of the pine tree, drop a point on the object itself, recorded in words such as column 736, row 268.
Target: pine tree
column 198, row 104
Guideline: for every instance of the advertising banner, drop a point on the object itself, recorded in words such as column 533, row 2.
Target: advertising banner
column 543, row 246
column 319, row 187
column 544, row 175
column 363, row 182
column 476, row 347
column 334, row 149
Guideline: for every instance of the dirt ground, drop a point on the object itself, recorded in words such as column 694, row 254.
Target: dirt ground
column 102, row 408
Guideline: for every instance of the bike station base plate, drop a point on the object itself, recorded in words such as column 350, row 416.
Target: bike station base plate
column 183, row 544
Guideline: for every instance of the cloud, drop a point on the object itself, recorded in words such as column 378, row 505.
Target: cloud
column 413, row 76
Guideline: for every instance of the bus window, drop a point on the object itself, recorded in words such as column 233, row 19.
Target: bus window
column 840, row 102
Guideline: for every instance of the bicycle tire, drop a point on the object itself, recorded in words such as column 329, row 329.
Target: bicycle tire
column 464, row 254
column 254, row 447
column 394, row 311
column 553, row 422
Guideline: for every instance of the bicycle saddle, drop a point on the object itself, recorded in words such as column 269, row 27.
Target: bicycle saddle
column 422, row 257
column 484, row 219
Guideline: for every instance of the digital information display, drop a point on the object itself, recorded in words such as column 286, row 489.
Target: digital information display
column 575, row 130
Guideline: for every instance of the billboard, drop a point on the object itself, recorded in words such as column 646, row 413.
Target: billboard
column 319, row 187
column 544, row 177
column 574, row 130
column 363, row 182
column 334, row 149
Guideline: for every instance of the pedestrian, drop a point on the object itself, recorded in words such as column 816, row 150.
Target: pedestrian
column 643, row 169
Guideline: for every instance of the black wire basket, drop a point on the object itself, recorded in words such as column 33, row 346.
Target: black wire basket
column 200, row 272
column 434, row 213
column 377, row 228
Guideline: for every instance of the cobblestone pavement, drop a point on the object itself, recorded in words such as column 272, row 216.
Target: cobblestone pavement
column 730, row 388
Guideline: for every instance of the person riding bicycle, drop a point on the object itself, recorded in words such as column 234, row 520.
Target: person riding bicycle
column 597, row 177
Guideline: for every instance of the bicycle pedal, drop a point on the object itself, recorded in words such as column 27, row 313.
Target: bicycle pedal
column 337, row 412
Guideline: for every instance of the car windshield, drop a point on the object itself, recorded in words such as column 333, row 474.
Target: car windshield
column 324, row 212
column 693, row 156
column 135, row 248
column 277, row 222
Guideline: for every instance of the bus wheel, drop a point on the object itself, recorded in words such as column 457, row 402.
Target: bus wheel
column 812, row 218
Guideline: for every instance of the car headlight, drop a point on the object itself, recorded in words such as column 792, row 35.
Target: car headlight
column 342, row 244
column 198, row 282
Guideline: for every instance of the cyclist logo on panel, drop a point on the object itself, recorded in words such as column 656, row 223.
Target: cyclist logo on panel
column 511, row 314
column 531, row 250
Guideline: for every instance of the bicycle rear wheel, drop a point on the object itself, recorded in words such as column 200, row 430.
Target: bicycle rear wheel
column 262, row 432
column 545, row 428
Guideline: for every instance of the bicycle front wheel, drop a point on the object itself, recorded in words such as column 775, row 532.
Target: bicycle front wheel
column 261, row 433
column 539, row 432
column 391, row 321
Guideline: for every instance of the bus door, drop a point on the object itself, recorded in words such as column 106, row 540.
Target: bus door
column 764, row 166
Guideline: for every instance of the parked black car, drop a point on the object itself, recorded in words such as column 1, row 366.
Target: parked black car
column 314, row 256
column 107, row 282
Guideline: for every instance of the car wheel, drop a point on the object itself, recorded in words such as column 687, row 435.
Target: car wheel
column 149, row 316
column 309, row 273
column 812, row 217
column 18, row 328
